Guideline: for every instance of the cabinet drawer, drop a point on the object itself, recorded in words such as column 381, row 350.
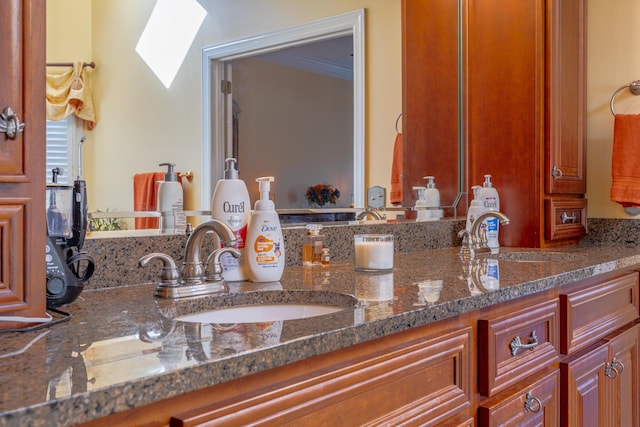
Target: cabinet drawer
column 537, row 403
column 591, row 313
column 565, row 218
column 516, row 344
column 422, row 382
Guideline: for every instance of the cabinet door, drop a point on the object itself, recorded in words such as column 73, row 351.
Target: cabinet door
column 22, row 188
column 584, row 386
column 565, row 169
column 624, row 403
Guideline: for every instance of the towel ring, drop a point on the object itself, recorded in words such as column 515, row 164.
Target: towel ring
column 397, row 121
column 634, row 88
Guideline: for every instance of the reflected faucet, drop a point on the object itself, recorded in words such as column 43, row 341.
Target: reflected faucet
column 371, row 212
column 475, row 240
column 193, row 280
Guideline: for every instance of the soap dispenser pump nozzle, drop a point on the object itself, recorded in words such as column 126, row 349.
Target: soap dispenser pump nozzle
column 231, row 168
column 170, row 175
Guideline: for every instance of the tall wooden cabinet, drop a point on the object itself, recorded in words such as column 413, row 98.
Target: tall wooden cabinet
column 517, row 89
column 22, row 154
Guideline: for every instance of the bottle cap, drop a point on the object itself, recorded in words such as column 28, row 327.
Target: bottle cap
column 264, row 186
column 431, row 183
column 487, row 181
column 314, row 229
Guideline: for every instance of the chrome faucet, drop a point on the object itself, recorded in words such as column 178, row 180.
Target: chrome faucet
column 475, row 240
column 374, row 213
column 194, row 279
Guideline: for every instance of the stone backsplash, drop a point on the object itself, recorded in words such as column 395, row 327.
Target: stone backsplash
column 117, row 258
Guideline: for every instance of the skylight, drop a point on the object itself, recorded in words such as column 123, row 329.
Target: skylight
column 168, row 35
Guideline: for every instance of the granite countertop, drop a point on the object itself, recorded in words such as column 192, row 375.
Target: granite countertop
column 122, row 348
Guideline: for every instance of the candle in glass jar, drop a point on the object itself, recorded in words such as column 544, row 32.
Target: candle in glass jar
column 374, row 252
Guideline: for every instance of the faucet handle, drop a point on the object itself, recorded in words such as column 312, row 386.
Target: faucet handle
column 214, row 258
column 170, row 277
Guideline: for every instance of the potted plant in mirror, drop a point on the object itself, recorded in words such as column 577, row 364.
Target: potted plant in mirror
column 320, row 194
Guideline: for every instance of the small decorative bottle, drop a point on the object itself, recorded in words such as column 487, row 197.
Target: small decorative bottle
column 325, row 258
column 312, row 246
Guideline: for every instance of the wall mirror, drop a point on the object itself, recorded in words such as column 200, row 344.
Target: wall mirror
column 142, row 123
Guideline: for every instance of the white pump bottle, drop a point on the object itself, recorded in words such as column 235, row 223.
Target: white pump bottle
column 231, row 205
column 265, row 245
column 170, row 202
column 491, row 202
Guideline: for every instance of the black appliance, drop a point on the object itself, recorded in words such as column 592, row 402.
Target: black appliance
column 68, row 267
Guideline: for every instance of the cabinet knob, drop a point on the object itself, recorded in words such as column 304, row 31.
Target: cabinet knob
column 516, row 344
column 556, row 173
column 532, row 403
column 10, row 125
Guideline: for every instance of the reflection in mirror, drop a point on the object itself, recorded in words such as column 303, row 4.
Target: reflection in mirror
column 141, row 123
column 304, row 106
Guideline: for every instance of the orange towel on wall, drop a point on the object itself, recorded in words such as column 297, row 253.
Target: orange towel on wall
column 625, row 167
column 395, row 195
column 145, row 197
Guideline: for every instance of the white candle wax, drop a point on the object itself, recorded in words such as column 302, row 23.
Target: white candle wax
column 374, row 255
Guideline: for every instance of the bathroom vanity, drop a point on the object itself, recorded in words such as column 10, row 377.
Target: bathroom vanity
column 440, row 350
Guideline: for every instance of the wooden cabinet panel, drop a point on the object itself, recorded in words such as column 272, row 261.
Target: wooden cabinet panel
column 423, row 382
column 590, row 314
column 624, row 403
column 537, row 403
column 565, row 169
column 583, row 382
column 22, row 180
column 430, row 105
column 516, row 344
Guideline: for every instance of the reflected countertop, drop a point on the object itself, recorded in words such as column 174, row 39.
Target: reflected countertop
column 122, row 349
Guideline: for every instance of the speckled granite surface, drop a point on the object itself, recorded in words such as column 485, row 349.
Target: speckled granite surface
column 122, row 348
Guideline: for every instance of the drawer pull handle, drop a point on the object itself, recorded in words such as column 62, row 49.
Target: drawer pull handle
column 568, row 218
column 556, row 173
column 10, row 125
column 613, row 369
column 516, row 344
column 532, row 403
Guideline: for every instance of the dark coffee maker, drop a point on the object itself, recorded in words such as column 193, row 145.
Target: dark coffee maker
column 68, row 268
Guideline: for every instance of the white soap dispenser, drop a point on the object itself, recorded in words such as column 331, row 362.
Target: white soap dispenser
column 475, row 208
column 491, row 202
column 422, row 213
column 170, row 202
column 432, row 197
column 231, row 205
column 265, row 246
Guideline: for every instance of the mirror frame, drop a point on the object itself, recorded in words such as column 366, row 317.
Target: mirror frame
column 214, row 140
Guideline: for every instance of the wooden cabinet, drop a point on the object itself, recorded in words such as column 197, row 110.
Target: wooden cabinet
column 601, row 385
column 518, row 94
column 22, row 177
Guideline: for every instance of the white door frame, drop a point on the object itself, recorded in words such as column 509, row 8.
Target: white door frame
column 213, row 100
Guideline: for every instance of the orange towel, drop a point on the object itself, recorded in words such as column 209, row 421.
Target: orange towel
column 625, row 167
column 145, row 197
column 395, row 195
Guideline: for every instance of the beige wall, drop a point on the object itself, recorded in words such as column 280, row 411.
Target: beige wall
column 142, row 124
column 613, row 61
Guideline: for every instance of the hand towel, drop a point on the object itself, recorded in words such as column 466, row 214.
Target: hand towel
column 625, row 167
column 395, row 195
column 145, row 197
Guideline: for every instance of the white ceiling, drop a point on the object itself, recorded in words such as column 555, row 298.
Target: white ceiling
column 333, row 57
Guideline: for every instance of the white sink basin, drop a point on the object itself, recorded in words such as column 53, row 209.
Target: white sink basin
column 260, row 313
